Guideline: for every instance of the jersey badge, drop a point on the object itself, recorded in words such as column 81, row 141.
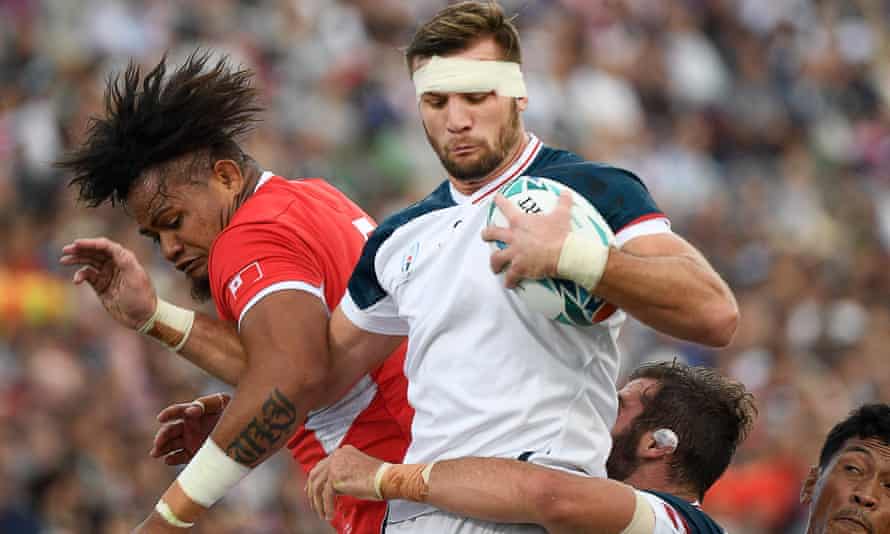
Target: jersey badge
column 247, row 275
column 410, row 257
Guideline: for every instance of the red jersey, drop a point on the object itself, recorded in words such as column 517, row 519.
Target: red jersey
column 306, row 235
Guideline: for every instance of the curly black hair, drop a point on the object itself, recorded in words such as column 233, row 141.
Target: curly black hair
column 870, row 421
column 153, row 119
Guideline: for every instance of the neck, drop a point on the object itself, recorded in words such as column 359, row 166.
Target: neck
column 251, row 179
column 657, row 478
column 468, row 187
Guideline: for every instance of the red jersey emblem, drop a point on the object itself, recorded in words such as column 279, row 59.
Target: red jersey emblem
column 247, row 275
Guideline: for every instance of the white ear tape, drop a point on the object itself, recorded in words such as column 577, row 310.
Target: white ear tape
column 666, row 438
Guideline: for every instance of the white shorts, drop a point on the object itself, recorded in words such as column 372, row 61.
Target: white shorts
column 439, row 522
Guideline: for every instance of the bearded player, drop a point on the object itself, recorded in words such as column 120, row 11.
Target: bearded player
column 275, row 256
column 487, row 376
column 678, row 428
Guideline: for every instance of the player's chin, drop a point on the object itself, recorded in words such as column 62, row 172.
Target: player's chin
column 201, row 288
column 470, row 169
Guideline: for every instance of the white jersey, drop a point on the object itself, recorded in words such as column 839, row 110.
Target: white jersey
column 486, row 375
column 674, row 515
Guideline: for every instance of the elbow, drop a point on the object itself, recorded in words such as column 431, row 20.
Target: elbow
column 720, row 323
column 308, row 383
column 554, row 509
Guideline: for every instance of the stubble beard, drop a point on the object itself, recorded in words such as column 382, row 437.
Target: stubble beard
column 491, row 157
column 623, row 459
column 201, row 291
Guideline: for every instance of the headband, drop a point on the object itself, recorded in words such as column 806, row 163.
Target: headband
column 457, row 75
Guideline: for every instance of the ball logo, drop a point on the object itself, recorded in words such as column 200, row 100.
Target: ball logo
column 560, row 300
column 529, row 205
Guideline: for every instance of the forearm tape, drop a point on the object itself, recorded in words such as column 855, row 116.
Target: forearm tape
column 582, row 260
column 410, row 482
column 643, row 520
column 170, row 325
column 210, row 475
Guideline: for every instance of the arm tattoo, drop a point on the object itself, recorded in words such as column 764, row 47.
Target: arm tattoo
column 263, row 432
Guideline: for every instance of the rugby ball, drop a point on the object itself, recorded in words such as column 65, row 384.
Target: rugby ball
column 558, row 299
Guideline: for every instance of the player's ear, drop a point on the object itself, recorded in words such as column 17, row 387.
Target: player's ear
column 228, row 174
column 809, row 485
column 656, row 444
column 522, row 103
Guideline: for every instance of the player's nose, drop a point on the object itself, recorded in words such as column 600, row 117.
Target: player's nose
column 458, row 116
column 171, row 246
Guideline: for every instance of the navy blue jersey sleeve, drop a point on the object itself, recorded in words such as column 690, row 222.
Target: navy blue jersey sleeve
column 619, row 195
column 364, row 287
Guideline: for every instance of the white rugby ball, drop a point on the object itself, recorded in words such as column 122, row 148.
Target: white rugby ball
column 559, row 299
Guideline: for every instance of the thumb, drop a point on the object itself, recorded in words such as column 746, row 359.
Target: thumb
column 565, row 200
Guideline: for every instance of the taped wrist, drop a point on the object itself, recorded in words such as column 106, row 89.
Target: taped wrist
column 163, row 510
column 403, row 481
column 210, row 475
column 582, row 260
column 170, row 325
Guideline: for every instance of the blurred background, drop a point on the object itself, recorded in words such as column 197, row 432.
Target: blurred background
column 760, row 126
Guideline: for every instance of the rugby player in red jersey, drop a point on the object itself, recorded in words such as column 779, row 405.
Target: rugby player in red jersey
column 275, row 256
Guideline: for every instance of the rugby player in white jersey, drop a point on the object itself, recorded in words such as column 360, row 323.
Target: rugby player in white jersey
column 678, row 428
column 488, row 377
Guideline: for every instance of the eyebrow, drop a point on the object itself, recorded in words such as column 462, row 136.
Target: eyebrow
column 153, row 220
column 857, row 448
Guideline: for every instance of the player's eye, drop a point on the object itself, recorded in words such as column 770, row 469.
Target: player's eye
column 175, row 223
column 476, row 98
column 852, row 469
column 436, row 102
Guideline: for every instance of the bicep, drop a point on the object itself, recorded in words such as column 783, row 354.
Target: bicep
column 287, row 330
column 354, row 351
column 665, row 244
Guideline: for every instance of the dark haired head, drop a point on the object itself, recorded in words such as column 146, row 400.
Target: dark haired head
column 461, row 25
column 871, row 421
column 710, row 414
column 154, row 119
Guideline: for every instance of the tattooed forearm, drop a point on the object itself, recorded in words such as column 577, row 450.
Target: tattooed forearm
column 264, row 431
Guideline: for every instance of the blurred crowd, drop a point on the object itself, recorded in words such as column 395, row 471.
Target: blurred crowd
column 760, row 126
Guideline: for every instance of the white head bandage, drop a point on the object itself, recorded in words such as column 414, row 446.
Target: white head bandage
column 457, row 75
column 666, row 438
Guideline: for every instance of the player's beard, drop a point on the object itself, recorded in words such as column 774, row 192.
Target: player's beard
column 623, row 459
column 201, row 288
column 491, row 157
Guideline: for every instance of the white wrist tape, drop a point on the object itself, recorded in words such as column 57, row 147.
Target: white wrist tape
column 426, row 472
column 378, row 478
column 171, row 325
column 210, row 474
column 643, row 520
column 163, row 510
column 582, row 260
column 457, row 75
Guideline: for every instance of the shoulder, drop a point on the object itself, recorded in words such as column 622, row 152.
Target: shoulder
column 573, row 170
column 678, row 515
column 435, row 201
column 618, row 194
column 276, row 196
